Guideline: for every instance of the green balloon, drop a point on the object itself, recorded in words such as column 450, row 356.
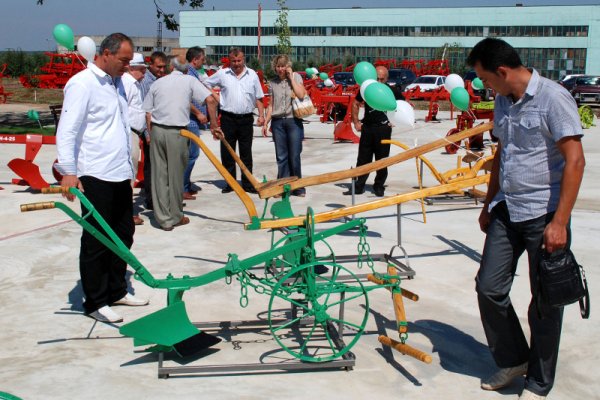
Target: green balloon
column 309, row 71
column 323, row 75
column 460, row 98
column 63, row 35
column 380, row 97
column 363, row 71
column 477, row 83
column 32, row 114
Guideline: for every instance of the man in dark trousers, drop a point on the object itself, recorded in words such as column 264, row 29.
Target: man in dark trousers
column 534, row 182
column 241, row 93
column 373, row 128
column 94, row 155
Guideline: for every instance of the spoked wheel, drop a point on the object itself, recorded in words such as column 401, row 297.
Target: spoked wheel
column 316, row 294
column 452, row 148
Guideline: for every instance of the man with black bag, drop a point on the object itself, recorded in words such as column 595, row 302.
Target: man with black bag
column 535, row 179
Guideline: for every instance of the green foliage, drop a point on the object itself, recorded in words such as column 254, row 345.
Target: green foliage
column 22, row 63
column 168, row 18
column 284, row 44
column 455, row 54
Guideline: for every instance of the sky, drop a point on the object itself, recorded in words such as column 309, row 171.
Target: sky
column 28, row 26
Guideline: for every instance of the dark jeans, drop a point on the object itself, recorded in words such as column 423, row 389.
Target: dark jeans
column 287, row 135
column 238, row 130
column 194, row 152
column 147, row 174
column 504, row 244
column 102, row 272
column 370, row 146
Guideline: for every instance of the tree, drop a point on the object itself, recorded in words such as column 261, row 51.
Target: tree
column 284, row 45
column 168, row 18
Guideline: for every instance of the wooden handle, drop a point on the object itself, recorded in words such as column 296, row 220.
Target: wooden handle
column 374, row 279
column 410, row 295
column 405, row 349
column 246, row 200
column 45, row 205
column 55, row 189
column 240, row 163
column 398, row 304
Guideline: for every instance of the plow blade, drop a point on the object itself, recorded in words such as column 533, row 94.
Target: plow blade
column 29, row 172
column 169, row 327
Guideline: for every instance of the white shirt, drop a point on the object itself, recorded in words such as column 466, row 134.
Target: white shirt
column 133, row 90
column 93, row 136
column 238, row 94
column 169, row 98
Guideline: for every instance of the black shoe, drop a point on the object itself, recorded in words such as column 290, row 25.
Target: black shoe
column 356, row 191
column 250, row 190
column 379, row 191
column 227, row 189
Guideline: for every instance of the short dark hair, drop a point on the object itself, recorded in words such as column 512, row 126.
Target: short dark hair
column 193, row 52
column 234, row 51
column 158, row 54
column 493, row 53
column 113, row 42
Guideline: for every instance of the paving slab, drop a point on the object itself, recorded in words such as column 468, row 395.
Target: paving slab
column 52, row 351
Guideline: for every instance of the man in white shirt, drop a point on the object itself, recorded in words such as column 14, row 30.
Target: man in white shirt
column 167, row 107
column 137, row 116
column 241, row 92
column 94, row 155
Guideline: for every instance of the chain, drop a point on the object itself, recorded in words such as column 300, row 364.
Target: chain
column 243, row 290
column 364, row 249
column 403, row 337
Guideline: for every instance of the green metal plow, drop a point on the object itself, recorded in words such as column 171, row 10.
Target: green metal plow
column 294, row 276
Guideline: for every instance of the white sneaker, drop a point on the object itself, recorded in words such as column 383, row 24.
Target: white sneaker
column 131, row 300
column 503, row 377
column 527, row 395
column 106, row 314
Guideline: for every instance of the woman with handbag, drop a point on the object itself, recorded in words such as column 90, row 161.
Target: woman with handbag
column 288, row 131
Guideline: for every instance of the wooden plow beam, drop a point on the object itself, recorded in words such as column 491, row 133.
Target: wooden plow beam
column 373, row 205
column 274, row 190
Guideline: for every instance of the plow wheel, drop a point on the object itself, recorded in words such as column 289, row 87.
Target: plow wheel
column 452, row 148
column 310, row 331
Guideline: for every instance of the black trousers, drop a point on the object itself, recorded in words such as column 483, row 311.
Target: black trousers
column 147, row 174
column 504, row 244
column 238, row 130
column 102, row 271
column 370, row 146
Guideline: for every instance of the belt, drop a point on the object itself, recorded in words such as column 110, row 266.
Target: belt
column 168, row 126
column 139, row 133
column 236, row 116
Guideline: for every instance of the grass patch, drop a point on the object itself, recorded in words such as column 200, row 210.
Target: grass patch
column 24, row 95
column 21, row 130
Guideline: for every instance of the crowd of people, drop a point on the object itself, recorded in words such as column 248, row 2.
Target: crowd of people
column 119, row 102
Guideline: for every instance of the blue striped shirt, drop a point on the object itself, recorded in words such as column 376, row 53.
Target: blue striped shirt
column 531, row 165
column 194, row 124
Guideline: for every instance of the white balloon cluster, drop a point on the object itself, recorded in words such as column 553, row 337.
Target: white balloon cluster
column 453, row 81
column 403, row 116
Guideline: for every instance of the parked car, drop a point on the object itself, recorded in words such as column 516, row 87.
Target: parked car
column 401, row 77
column 344, row 78
column 427, row 82
column 587, row 89
column 568, row 81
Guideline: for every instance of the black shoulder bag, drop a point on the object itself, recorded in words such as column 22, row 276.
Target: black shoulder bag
column 562, row 281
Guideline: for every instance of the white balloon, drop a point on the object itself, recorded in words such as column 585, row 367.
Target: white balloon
column 87, row 48
column 453, row 81
column 328, row 82
column 403, row 116
column 315, row 71
column 364, row 85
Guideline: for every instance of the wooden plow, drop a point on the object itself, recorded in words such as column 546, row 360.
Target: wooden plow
column 284, row 217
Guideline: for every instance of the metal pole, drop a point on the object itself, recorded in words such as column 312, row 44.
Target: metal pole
column 399, row 223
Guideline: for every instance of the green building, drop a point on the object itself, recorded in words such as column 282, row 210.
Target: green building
column 556, row 40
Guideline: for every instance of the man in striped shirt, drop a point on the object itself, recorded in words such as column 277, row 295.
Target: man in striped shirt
column 535, row 179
